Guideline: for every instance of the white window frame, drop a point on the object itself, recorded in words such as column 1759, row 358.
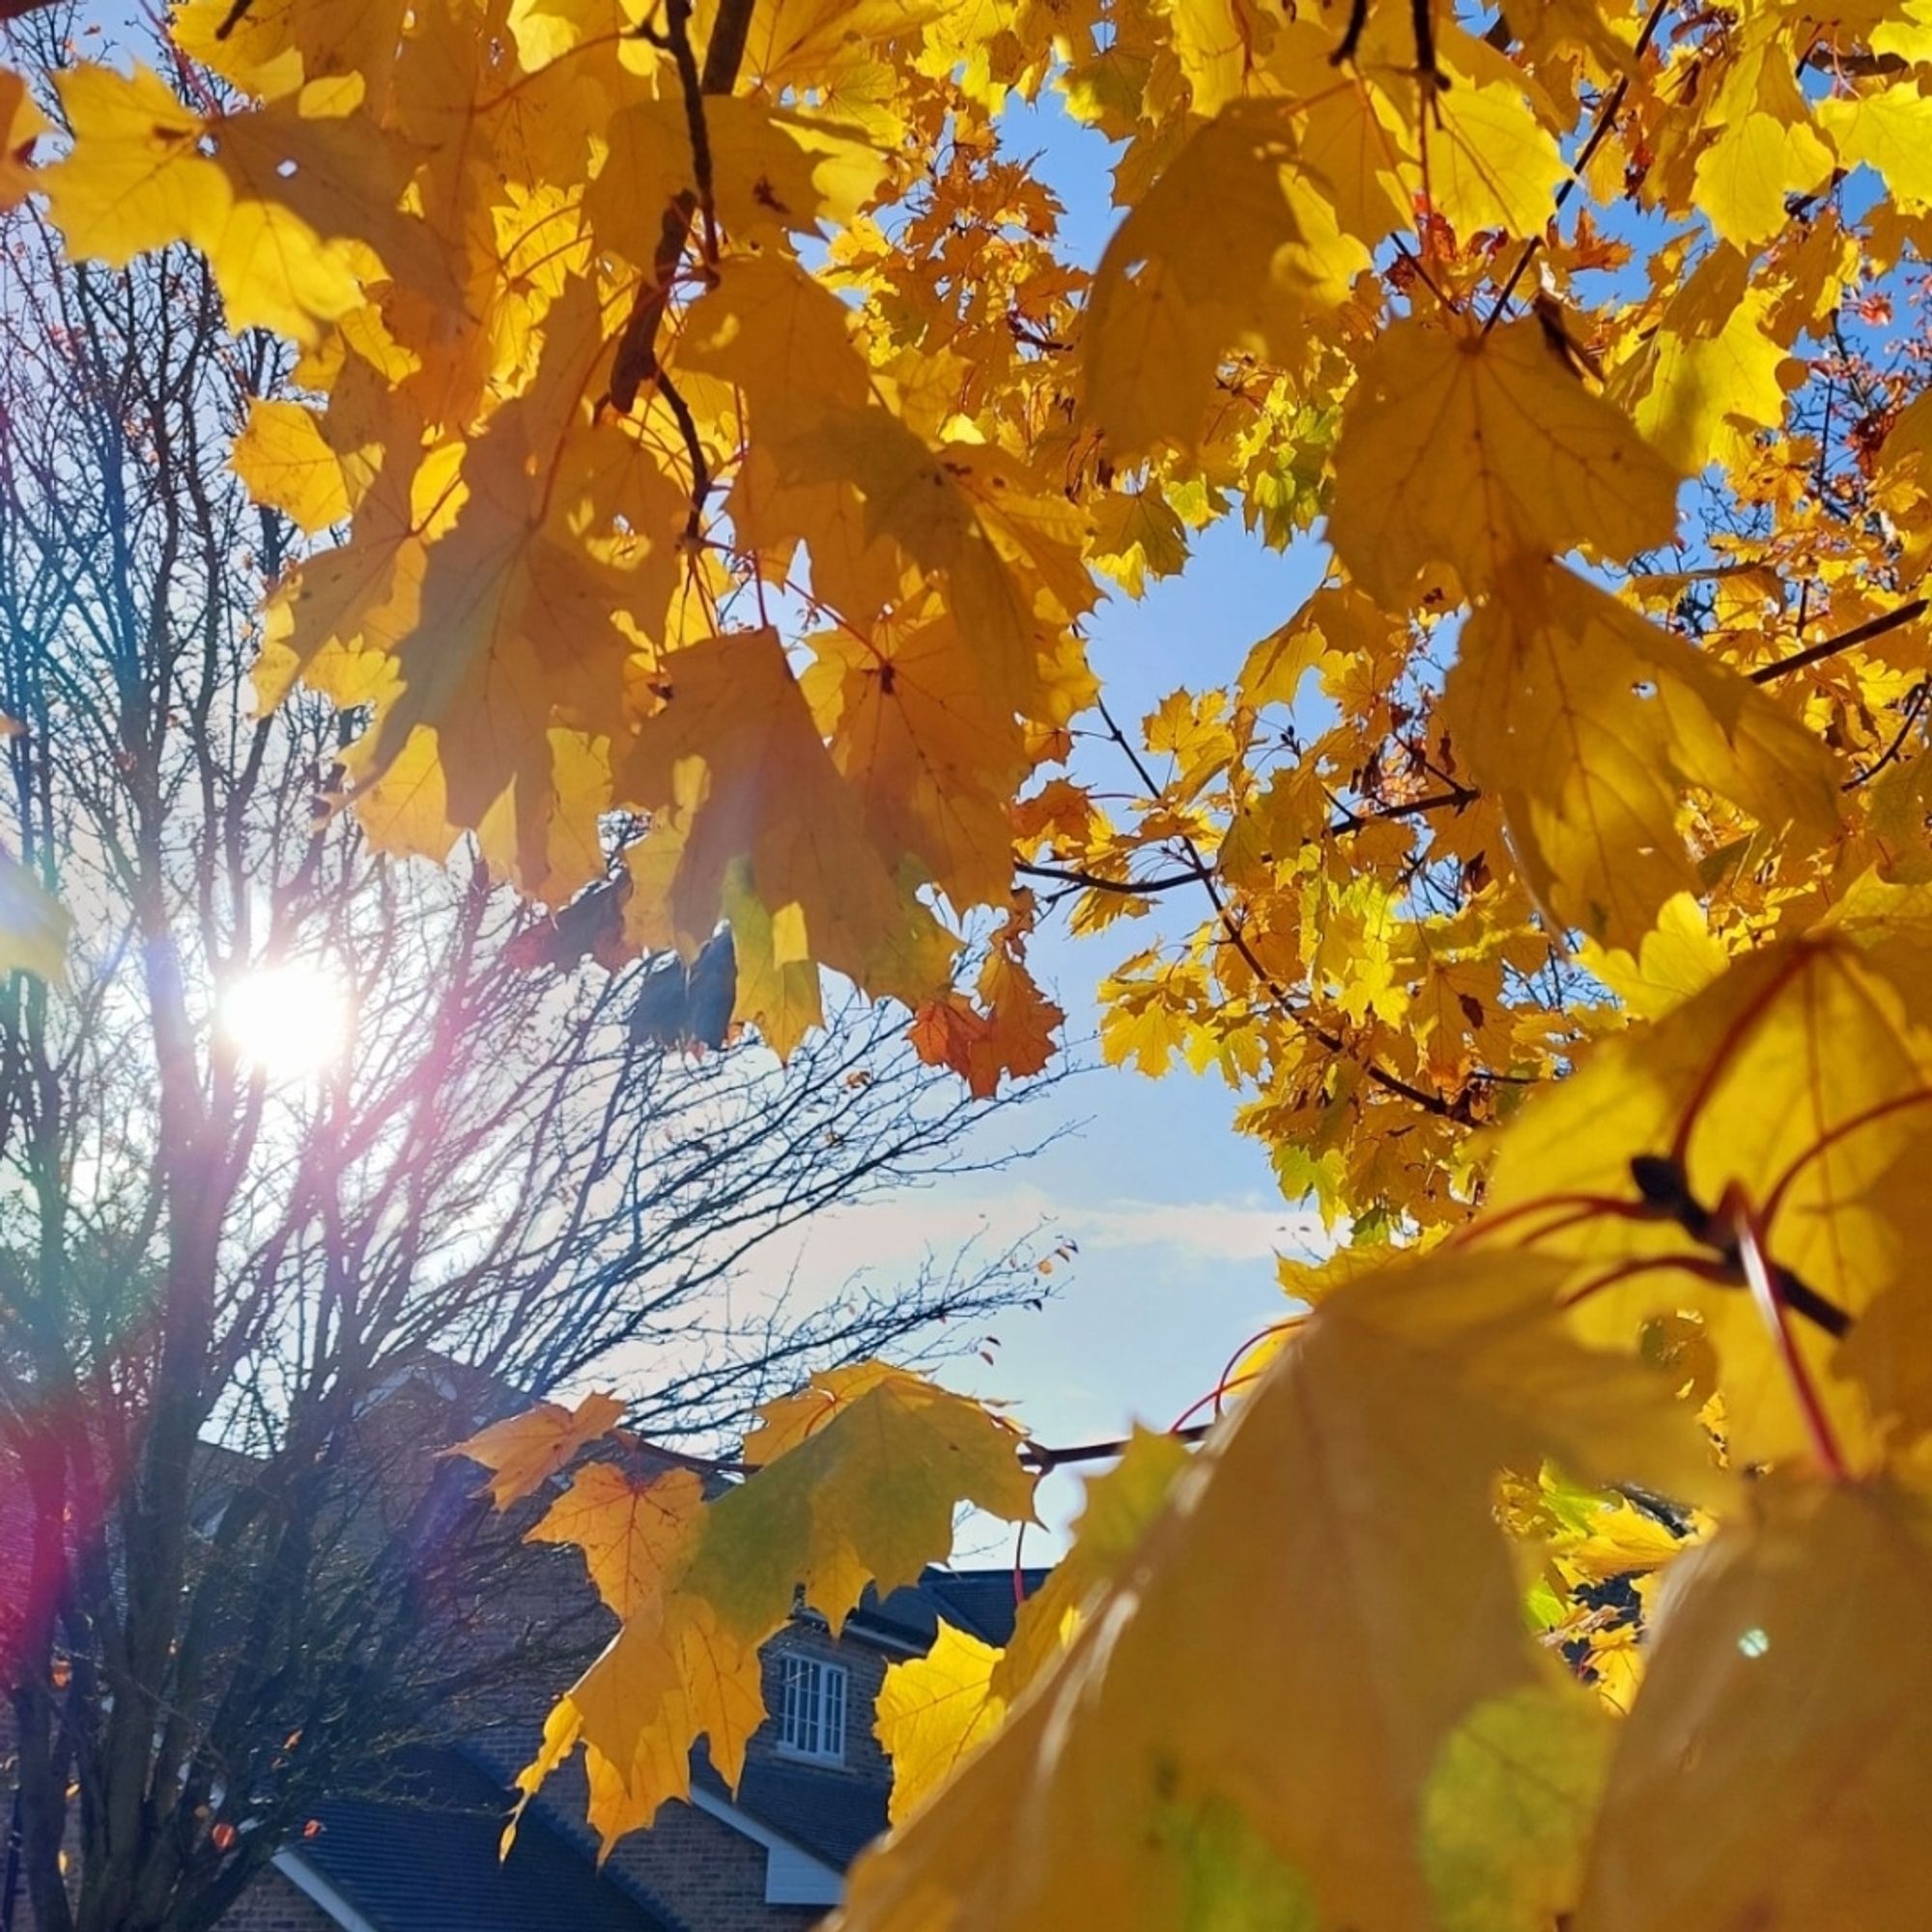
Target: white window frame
column 812, row 1716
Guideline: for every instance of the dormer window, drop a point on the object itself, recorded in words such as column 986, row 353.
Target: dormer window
column 814, row 1710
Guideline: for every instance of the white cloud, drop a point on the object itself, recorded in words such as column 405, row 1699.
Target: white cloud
column 900, row 1230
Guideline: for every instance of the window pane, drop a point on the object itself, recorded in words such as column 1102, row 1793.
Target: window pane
column 835, row 1712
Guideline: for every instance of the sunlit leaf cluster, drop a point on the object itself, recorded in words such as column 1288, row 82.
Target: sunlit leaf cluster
column 714, row 461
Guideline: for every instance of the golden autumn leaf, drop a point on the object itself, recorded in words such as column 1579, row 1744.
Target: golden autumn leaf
column 1509, row 1809
column 282, row 457
column 22, row 124
column 855, row 1480
column 736, row 761
column 1797, row 1083
column 861, row 1495
column 935, row 1711
column 663, row 1683
column 524, row 1452
column 1120, row 1506
column 34, row 925
column 292, row 211
column 1711, row 375
column 1084, row 1808
column 1761, row 144
column 1233, row 247
column 1472, row 449
column 629, row 1529
column 1790, row 1674
column 1588, row 725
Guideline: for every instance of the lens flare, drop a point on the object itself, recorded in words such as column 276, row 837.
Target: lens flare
column 287, row 1022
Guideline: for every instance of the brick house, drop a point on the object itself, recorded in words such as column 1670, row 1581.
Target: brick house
column 420, row 1854
column 772, row 1856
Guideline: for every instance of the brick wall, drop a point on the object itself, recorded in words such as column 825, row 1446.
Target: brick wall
column 710, row 1876
column 272, row 1904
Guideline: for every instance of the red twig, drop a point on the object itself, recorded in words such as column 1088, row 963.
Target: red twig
column 1749, row 1233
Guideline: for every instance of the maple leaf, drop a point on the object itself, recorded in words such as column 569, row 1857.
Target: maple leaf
column 661, row 1684
column 930, row 753
column 1588, row 723
column 775, row 169
column 934, row 1711
column 1713, row 372
column 1791, row 1671
column 1120, row 1506
column 34, row 925
column 1473, row 450
column 856, row 1484
column 1509, row 1809
column 1308, row 1519
column 275, row 48
column 524, row 1452
column 286, row 461
column 736, row 758
column 1761, row 144
column 628, row 1529
column 290, row 211
column 1235, row 245
column 21, row 125
column 1798, row 1076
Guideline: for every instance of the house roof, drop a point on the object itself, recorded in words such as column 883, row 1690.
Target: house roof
column 983, row 1603
column 423, row 1857
column 832, row 1816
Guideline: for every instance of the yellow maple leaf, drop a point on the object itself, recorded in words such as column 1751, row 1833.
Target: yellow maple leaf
column 1120, row 1506
column 1588, row 723
column 1235, row 246
column 1711, row 377
column 1760, row 143
column 1679, row 958
column 1774, row 1771
column 1796, row 1079
column 1472, row 449
column 735, row 756
column 773, row 169
column 34, row 925
column 292, row 211
column 275, row 48
column 21, row 125
column 934, row 1712
column 865, row 1498
column 1509, row 1807
column 661, row 1685
column 282, row 457
column 1309, row 1519
column 629, row 1529
column 524, row 1452
column 1889, row 131
column 930, row 754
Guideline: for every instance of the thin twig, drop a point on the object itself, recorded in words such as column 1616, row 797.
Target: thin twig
column 1826, row 647
column 701, row 475
column 1094, row 883
column 1605, row 119
column 1392, row 1083
column 1913, row 706
column 637, row 359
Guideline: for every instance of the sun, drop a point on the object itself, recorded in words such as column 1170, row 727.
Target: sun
column 287, row 1021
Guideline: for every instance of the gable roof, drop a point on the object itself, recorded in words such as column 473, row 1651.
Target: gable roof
column 423, row 1857
column 983, row 1603
column 828, row 1814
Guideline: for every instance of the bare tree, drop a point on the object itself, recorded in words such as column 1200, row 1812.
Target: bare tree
column 224, row 1569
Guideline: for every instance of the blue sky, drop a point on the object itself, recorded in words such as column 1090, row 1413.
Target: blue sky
column 1176, row 1216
